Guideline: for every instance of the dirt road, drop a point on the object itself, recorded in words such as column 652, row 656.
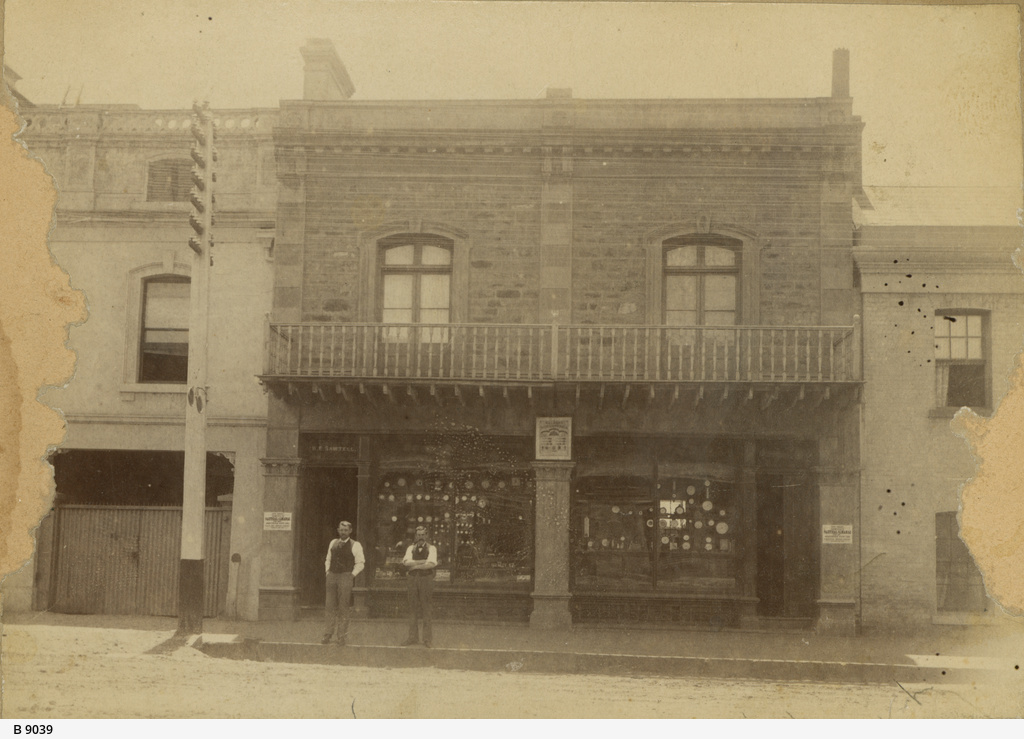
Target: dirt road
column 76, row 672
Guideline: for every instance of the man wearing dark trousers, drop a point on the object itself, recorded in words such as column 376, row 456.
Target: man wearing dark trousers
column 344, row 561
column 420, row 561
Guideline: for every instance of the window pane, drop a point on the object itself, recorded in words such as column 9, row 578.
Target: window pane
column 974, row 348
column 966, row 386
column 974, row 326
column 398, row 292
column 434, row 292
column 397, row 315
column 436, row 255
column 942, row 324
column 684, row 256
column 719, row 318
column 957, row 325
column 400, row 255
column 681, row 318
column 958, row 348
column 720, row 292
column 715, row 256
column 434, row 316
column 167, row 304
column 942, row 348
column 680, row 292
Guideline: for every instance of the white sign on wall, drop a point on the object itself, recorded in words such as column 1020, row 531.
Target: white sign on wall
column 554, row 438
column 277, row 520
column 837, row 534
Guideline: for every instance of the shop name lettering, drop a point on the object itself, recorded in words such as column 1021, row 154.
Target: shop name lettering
column 334, row 448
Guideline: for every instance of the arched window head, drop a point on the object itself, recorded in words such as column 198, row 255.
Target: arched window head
column 701, row 281
column 415, row 279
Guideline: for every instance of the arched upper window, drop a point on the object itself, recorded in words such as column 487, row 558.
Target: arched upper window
column 415, row 279
column 701, row 282
column 169, row 180
column 163, row 344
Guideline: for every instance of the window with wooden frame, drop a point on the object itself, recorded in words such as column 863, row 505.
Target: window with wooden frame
column 701, row 282
column 163, row 345
column 961, row 359
column 169, row 180
column 415, row 284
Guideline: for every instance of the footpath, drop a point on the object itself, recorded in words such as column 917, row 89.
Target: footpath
column 940, row 655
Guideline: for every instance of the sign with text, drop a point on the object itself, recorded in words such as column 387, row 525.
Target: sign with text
column 277, row 520
column 554, row 438
column 837, row 534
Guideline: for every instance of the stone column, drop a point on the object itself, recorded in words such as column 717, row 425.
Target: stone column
column 278, row 562
column 365, row 529
column 838, row 500
column 748, row 531
column 551, row 555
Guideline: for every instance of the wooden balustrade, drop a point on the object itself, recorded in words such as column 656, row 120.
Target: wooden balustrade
column 527, row 353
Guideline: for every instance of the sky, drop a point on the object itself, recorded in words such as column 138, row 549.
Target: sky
column 938, row 87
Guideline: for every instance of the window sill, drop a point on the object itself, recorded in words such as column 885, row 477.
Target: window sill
column 130, row 389
column 949, row 412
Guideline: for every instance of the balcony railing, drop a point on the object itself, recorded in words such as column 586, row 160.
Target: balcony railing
column 532, row 353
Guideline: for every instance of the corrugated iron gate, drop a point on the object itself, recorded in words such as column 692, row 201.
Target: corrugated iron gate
column 121, row 560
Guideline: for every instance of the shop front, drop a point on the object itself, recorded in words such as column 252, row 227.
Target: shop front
column 672, row 530
column 475, row 494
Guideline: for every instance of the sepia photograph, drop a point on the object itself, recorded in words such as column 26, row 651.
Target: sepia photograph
column 371, row 359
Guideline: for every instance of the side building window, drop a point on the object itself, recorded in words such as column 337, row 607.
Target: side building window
column 958, row 582
column 701, row 283
column 960, row 359
column 169, row 180
column 163, row 345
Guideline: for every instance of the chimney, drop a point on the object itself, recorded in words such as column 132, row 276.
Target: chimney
column 324, row 76
column 841, row 73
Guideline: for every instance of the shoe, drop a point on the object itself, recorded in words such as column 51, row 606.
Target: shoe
column 326, row 639
column 410, row 643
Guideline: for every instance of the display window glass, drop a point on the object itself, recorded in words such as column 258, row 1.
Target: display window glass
column 677, row 535
column 481, row 522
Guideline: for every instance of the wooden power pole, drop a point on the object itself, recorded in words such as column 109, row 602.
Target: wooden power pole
column 191, row 587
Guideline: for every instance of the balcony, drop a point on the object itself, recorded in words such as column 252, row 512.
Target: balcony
column 345, row 354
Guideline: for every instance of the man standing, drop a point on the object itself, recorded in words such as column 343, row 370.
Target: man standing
column 344, row 561
column 420, row 561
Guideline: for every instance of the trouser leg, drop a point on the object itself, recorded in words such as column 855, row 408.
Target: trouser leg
column 344, row 598
column 425, row 594
column 414, row 631
column 331, row 605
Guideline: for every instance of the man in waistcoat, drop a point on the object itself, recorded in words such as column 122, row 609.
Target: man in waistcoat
column 344, row 561
column 420, row 561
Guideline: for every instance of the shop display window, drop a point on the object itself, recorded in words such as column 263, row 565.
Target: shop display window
column 481, row 522
column 678, row 535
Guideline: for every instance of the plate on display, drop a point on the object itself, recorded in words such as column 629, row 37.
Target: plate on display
column 707, row 505
column 722, row 527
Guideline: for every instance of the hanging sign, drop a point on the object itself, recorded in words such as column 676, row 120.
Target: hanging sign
column 837, row 534
column 277, row 520
column 554, row 438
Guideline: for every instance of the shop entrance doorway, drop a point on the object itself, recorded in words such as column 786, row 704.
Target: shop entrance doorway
column 329, row 495
column 787, row 564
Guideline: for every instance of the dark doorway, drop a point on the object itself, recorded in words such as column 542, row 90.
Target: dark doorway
column 329, row 495
column 786, row 546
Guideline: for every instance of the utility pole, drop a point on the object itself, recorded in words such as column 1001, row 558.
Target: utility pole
column 191, row 587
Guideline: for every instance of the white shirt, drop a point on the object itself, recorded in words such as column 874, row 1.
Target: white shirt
column 357, row 555
column 431, row 561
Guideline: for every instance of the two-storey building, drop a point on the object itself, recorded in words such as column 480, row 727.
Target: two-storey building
column 665, row 286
